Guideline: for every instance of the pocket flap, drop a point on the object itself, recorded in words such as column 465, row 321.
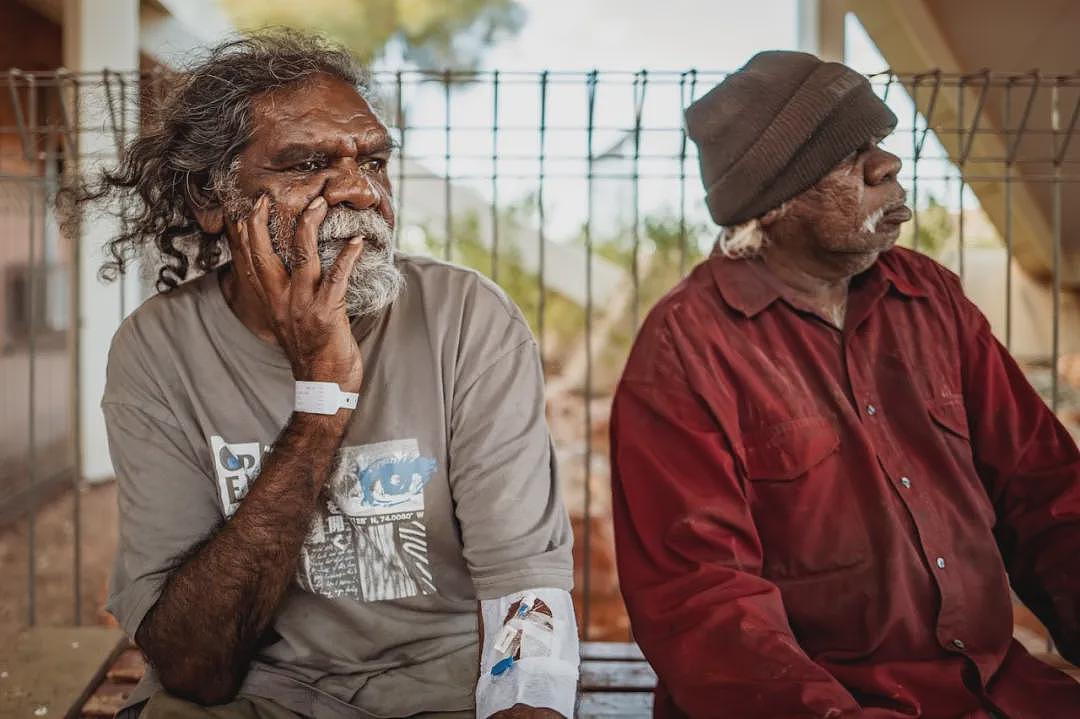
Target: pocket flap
column 951, row 415
column 789, row 450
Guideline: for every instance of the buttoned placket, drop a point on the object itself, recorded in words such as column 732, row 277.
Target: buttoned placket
column 873, row 417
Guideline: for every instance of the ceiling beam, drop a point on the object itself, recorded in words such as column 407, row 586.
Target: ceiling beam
column 910, row 38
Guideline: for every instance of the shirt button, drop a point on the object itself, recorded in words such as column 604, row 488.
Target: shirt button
column 959, row 644
column 906, row 482
column 871, row 410
column 940, row 562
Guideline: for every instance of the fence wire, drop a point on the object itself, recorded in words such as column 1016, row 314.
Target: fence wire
column 578, row 193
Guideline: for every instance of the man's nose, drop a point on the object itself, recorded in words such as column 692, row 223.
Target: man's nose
column 881, row 166
column 353, row 189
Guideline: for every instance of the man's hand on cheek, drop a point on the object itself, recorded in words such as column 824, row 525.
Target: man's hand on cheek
column 306, row 307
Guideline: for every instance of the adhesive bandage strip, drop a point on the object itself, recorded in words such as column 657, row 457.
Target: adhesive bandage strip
column 529, row 656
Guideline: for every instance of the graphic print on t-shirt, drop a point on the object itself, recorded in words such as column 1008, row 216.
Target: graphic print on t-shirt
column 367, row 541
column 236, row 465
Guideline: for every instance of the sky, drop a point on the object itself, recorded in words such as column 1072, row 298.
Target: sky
column 618, row 37
column 632, row 34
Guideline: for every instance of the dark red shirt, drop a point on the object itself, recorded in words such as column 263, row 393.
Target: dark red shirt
column 813, row 522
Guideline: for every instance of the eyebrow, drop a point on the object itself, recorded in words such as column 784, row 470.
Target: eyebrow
column 384, row 144
column 298, row 152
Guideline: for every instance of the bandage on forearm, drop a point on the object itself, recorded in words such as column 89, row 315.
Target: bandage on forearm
column 530, row 652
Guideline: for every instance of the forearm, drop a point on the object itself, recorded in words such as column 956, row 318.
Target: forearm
column 203, row 630
column 528, row 655
column 1043, row 576
column 1030, row 466
column 734, row 652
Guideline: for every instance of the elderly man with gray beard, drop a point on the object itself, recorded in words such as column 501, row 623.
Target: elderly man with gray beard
column 827, row 472
column 336, row 484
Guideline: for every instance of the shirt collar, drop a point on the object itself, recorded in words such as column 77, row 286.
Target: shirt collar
column 746, row 285
column 900, row 282
column 749, row 287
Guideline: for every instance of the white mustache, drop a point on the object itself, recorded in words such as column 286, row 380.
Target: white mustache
column 871, row 221
column 342, row 223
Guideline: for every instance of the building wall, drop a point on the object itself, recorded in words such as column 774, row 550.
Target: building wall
column 30, row 42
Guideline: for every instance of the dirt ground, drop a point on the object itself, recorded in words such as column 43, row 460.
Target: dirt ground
column 54, row 534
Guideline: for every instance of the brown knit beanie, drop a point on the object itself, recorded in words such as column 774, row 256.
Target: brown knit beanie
column 772, row 129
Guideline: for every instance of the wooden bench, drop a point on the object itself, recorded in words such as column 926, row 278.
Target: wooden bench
column 54, row 673
column 60, row 673
column 67, row 672
column 616, row 681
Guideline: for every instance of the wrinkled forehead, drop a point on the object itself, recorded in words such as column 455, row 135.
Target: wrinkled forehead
column 321, row 110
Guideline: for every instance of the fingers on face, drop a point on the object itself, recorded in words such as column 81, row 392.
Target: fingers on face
column 335, row 281
column 242, row 259
column 265, row 263
column 305, row 245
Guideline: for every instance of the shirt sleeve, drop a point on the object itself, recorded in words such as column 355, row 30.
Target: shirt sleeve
column 167, row 504
column 690, row 559
column 1031, row 468
column 514, row 526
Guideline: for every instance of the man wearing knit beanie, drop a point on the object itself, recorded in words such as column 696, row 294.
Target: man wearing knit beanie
column 827, row 473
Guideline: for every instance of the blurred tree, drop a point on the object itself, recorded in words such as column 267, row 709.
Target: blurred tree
column 431, row 34
column 666, row 246
column 563, row 318
column 935, row 230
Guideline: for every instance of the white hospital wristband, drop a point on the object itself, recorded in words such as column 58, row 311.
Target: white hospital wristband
column 323, row 398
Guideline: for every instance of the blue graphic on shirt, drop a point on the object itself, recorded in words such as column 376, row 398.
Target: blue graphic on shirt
column 393, row 481
column 370, row 543
column 233, row 462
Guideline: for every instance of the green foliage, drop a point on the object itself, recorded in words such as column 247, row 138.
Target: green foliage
column 564, row 319
column 664, row 253
column 434, row 34
column 935, row 230
column 661, row 259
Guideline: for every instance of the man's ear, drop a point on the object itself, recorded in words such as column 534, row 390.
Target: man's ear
column 771, row 216
column 209, row 214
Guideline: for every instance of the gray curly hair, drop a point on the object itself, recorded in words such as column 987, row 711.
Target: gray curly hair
column 745, row 240
column 189, row 146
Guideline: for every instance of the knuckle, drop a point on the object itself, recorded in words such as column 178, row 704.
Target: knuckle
column 308, row 221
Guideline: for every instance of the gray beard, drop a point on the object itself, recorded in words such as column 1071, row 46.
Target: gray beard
column 375, row 281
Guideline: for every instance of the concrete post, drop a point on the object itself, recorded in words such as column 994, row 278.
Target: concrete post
column 820, row 27
column 98, row 35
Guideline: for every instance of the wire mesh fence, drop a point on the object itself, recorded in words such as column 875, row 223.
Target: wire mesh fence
column 579, row 194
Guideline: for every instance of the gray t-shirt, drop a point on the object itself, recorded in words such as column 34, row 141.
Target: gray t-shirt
column 446, row 491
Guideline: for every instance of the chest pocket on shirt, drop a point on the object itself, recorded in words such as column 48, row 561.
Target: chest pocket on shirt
column 949, row 414
column 789, row 450
column 949, row 418
column 797, row 493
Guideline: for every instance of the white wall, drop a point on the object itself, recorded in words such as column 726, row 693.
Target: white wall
column 98, row 34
